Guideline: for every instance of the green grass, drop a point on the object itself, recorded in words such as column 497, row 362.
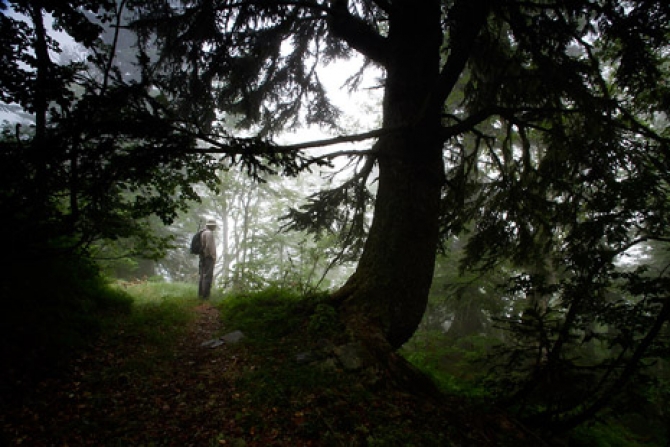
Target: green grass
column 160, row 314
column 147, row 292
column 266, row 314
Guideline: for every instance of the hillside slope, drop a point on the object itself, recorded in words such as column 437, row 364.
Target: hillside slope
column 139, row 390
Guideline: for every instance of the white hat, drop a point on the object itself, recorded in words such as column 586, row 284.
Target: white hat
column 211, row 222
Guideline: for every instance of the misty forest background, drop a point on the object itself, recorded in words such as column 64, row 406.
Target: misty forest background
column 128, row 124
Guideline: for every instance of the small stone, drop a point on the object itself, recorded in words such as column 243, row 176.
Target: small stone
column 304, row 357
column 352, row 356
column 233, row 337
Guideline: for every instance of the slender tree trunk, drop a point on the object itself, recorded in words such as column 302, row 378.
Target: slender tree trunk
column 41, row 100
column 386, row 297
column 40, row 105
column 225, row 234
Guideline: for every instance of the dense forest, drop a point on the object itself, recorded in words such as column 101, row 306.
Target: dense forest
column 496, row 237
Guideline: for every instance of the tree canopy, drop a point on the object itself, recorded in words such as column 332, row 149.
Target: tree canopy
column 519, row 117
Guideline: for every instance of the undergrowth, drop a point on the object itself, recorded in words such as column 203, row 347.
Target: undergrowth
column 160, row 314
column 458, row 368
column 286, row 383
column 461, row 367
column 266, row 314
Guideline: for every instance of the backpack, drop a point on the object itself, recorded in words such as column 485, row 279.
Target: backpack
column 196, row 243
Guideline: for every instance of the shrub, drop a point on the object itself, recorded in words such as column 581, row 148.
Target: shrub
column 267, row 314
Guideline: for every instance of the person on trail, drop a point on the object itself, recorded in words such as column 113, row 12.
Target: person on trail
column 207, row 260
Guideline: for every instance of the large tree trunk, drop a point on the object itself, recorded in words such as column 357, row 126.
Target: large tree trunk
column 386, row 297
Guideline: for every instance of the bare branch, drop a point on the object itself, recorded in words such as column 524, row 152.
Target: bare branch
column 228, row 146
column 352, row 153
column 376, row 133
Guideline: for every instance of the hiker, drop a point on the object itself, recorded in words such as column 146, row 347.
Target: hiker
column 207, row 260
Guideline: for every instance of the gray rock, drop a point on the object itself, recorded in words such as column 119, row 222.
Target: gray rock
column 213, row 343
column 233, row 337
column 304, row 357
column 208, row 343
column 351, row 356
column 216, row 343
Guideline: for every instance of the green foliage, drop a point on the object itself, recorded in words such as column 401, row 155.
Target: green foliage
column 102, row 161
column 159, row 316
column 65, row 294
column 456, row 366
column 514, row 367
column 241, row 82
column 325, row 321
column 338, row 214
column 268, row 314
column 556, row 205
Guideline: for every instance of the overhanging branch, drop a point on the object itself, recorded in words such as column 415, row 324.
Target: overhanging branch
column 376, row 133
column 242, row 146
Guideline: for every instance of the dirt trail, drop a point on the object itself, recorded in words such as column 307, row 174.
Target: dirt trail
column 112, row 397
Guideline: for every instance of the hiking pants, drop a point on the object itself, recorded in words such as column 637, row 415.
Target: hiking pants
column 206, row 277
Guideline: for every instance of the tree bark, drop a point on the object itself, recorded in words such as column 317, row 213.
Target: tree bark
column 386, row 297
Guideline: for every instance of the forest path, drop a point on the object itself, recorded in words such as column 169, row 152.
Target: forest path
column 128, row 392
column 134, row 388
